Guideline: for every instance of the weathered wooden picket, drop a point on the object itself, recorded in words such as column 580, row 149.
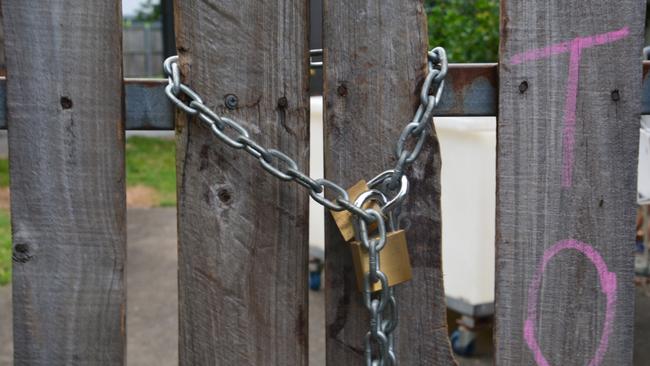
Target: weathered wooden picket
column 569, row 114
column 569, row 103
column 66, row 145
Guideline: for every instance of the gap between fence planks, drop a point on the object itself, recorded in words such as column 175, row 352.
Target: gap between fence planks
column 66, row 152
column 243, row 240
column 569, row 112
column 375, row 62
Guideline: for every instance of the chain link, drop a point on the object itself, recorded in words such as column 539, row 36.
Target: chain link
column 381, row 304
column 430, row 95
column 318, row 52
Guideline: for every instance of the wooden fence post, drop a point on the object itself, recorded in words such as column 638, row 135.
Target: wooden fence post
column 243, row 243
column 375, row 62
column 66, row 152
column 568, row 128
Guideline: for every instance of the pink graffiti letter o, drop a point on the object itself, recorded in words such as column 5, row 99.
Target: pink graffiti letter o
column 607, row 285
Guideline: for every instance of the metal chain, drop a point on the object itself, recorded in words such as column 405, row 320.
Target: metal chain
column 430, row 95
column 382, row 304
column 317, row 52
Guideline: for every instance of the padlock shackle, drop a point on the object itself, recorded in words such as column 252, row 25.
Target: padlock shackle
column 399, row 196
column 376, row 194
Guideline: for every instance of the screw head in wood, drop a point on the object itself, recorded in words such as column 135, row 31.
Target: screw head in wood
column 231, row 101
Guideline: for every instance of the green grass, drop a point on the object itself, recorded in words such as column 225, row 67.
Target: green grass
column 4, row 173
column 5, row 248
column 151, row 162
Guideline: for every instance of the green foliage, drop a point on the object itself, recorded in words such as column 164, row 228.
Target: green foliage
column 149, row 12
column 5, row 248
column 151, row 162
column 4, row 173
column 467, row 29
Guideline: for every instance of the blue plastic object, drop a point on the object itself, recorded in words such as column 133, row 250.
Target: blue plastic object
column 314, row 280
column 463, row 342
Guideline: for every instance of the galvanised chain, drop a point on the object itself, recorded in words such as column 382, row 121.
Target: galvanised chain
column 382, row 304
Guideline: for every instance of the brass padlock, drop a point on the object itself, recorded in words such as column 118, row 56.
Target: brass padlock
column 394, row 261
column 343, row 218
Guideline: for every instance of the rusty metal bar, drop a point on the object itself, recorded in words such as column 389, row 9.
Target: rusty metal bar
column 147, row 107
column 472, row 90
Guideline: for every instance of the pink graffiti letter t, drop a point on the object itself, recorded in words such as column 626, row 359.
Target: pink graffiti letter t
column 574, row 48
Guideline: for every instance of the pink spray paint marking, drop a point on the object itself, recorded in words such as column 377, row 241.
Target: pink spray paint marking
column 607, row 285
column 574, row 48
column 607, row 279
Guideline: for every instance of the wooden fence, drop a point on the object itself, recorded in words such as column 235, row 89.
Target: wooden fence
column 569, row 103
column 142, row 51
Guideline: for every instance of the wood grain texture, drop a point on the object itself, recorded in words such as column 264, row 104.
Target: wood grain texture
column 243, row 241
column 375, row 62
column 3, row 68
column 66, row 151
column 543, row 201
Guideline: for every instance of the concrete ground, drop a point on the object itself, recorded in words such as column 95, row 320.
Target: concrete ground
column 6, row 345
column 152, row 310
column 152, row 302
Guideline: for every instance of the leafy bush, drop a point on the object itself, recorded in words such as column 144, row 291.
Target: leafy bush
column 150, row 11
column 468, row 29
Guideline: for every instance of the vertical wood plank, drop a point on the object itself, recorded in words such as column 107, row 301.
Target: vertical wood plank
column 66, row 151
column 375, row 62
column 568, row 135
column 3, row 68
column 243, row 243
